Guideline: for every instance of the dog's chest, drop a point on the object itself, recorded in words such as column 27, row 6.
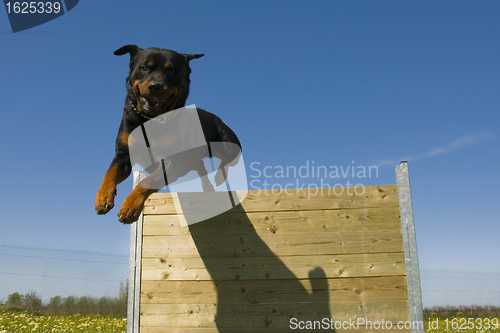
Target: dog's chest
column 161, row 138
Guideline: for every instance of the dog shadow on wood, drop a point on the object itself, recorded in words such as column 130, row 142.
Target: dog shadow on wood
column 255, row 288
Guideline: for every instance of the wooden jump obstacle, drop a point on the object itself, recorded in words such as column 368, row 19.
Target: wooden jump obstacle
column 276, row 258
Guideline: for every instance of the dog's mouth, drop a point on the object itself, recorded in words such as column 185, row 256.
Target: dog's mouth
column 153, row 105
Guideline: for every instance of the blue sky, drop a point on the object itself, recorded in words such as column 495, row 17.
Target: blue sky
column 374, row 82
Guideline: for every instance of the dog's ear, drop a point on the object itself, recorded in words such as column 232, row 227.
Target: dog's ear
column 132, row 49
column 190, row 57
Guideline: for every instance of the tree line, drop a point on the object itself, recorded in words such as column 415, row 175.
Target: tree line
column 471, row 311
column 85, row 305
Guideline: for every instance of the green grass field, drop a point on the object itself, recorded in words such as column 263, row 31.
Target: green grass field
column 21, row 322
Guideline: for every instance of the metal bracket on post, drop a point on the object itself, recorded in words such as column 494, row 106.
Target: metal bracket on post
column 134, row 280
column 410, row 248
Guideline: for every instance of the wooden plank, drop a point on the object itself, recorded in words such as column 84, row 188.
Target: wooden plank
column 268, row 291
column 265, row 268
column 285, row 222
column 372, row 196
column 253, row 245
column 302, row 199
column 268, row 315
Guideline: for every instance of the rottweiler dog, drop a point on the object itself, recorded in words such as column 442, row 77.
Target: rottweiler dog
column 158, row 84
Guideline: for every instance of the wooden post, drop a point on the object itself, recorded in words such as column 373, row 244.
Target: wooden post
column 134, row 280
column 410, row 245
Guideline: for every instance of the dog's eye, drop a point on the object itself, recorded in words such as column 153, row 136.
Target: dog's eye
column 170, row 72
column 144, row 68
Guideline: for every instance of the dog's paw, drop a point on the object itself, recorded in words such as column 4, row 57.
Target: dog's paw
column 131, row 209
column 105, row 199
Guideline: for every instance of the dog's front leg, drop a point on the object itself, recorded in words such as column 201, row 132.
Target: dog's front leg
column 118, row 171
column 134, row 203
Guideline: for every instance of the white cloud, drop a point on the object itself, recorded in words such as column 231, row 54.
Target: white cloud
column 464, row 141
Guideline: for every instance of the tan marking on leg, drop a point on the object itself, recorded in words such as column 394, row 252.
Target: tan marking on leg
column 105, row 198
column 124, row 138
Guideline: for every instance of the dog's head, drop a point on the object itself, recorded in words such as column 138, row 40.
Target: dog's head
column 158, row 79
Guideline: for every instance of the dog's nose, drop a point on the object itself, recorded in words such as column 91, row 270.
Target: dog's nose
column 155, row 87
